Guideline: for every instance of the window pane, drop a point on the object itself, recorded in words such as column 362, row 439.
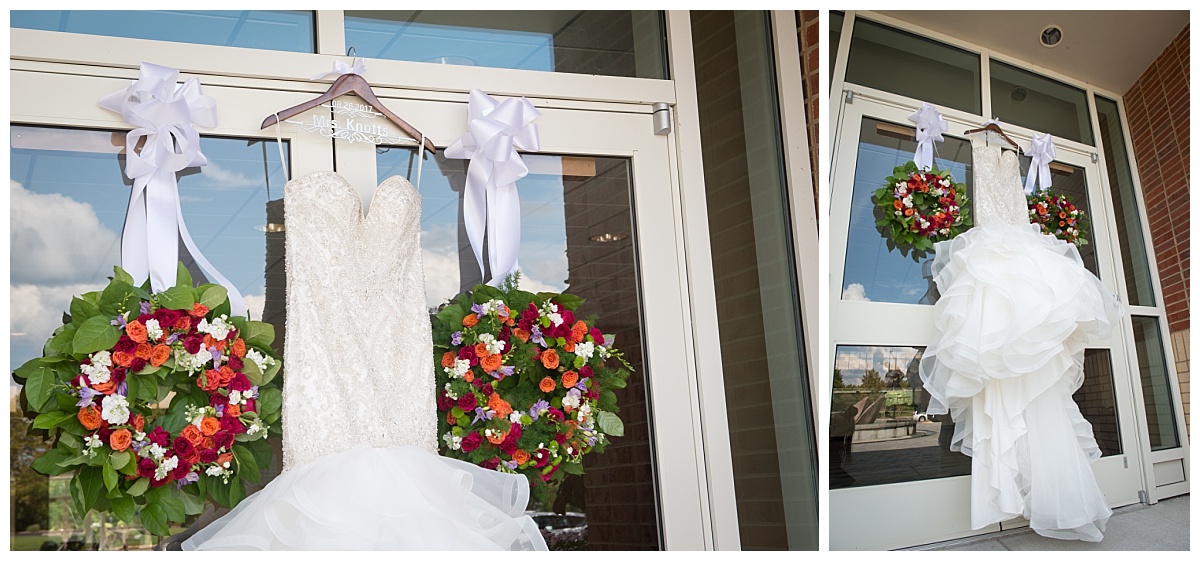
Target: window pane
column 1071, row 181
column 1156, row 383
column 874, row 271
column 68, row 195
column 758, row 310
column 1045, row 105
column 1127, row 213
column 894, row 61
column 275, row 30
column 568, row 205
column 835, row 38
column 607, row 43
column 1097, row 400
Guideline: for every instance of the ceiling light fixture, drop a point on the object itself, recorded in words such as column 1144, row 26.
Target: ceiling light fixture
column 609, row 237
column 1052, row 35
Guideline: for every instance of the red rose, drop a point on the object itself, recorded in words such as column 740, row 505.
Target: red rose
column 145, row 467
column 597, row 336
column 468, row 353
column 444, row 402
column 541, row 457
column 586, row 372
column 223, row 439
column 471, row 442
column 125, row 345
column 487, row 390
column 468, row 402
column 556, row 414
column 138, row 364
column 159, row 482
column 525, row 324
column 192, row 344
column 250, row 406
column 490, row 463
column 560, row 438
column 181, row 470
column 233, row 425
column 236, row 363
column 508, row 446
column 159, row 436
column 183, row 446
column 208, row 456
column 239, row 382
column 217, row 399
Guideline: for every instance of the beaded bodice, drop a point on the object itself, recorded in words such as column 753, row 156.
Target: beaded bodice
column 998, row 197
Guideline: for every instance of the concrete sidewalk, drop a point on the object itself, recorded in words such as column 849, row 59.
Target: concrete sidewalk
column 1164, row 527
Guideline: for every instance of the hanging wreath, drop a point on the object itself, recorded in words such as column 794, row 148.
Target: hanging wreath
column 916, row 209
column 155, row 402
column 525, row 387
column 1058, row 217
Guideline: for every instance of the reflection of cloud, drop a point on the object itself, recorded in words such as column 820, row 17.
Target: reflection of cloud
column 855, row 293
column 255, row 303
column 530, row 284
column 439, row 256
column 56, row 239
column 35, row 312
column 220, row 178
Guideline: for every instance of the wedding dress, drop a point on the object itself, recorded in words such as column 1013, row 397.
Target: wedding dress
column 360, row 462
column 1016, row 309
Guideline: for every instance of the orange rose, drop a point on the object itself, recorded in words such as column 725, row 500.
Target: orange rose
column 208, row 442
column 481, row 350
column 192, row 434
column 491, row 363
column 90, row 417
column 139, row 422
column 450, row 418
column 569, row 346
column 239, row 348
column 198, row 310
column 120, row 439
column 1062, row 214
column 497, row 404
column 469, row 377
column 193, row 457
column 520, row 456
column 578, row 331
column 496, row 437
column 160, row 355
column 897, row 204
column 908, row 212
column 136, row 331
column 550, row 359
column 105, row 388
column 233, row 410
column 1062, row 223
column 225, row 374
column 470, row 320
column 226, row 458
column 144, row 350
column 547, row 384
column 570, row 378
column 521, row 334
column 122, row 359
column 184, row 323
column 448, row 359
column 209, row 380
column 209, row 426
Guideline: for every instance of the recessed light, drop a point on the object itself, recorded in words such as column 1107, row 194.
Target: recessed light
column 1019, row 94
column 270, row 227
column 609, row 237
column 1052, row 35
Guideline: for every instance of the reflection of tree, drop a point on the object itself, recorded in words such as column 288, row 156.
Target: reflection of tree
column 28, row 490
column 871, row 381
column 837, row 379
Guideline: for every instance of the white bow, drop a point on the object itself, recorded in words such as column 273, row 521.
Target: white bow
column 162, row 114
column 930, row 126
column 1042, row 152
column 495, row 131
column 340, row 68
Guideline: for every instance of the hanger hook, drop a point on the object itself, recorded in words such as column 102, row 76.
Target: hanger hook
column 351, row 52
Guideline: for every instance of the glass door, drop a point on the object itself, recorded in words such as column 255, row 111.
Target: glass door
column 885, row 449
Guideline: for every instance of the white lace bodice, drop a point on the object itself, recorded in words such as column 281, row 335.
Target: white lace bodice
column 358, row 355
column 998, row 196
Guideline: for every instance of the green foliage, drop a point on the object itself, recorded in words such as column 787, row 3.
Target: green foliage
column 901, row 228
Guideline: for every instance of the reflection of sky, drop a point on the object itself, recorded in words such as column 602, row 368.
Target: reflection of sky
column 543, row 254
column 275, row 30
column 854, row 361
column 874, row 272
column 423, row 42
column 75, row 178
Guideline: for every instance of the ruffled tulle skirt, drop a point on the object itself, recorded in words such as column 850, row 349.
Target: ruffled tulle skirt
column 396, row 498
column 1015, row 312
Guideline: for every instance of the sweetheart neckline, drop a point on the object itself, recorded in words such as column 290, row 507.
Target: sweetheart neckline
column 342, row 183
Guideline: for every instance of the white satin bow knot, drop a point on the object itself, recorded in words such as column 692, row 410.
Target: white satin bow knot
column 1042, row 153
column 930, row 126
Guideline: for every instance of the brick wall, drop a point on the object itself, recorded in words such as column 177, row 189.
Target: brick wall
column 1157, row 107
column 806, row 23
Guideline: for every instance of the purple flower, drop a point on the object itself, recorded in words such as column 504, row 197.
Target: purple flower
column 483, row 415
column 145, row 306
column 535, row 335
column 538, row 408
column 510, row 464
column 456, row 338
column 216, row 355
column 174, row 337
column 220, row 410
column 477, row 309
column 581, row 386
column 190, row 478
column 85, row 396
column 120, row 321
column 123, row 388
column 503, row 371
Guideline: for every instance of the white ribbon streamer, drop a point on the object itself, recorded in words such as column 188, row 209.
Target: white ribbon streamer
column 930, row 126
column 340, row 68
column 1042, row 152
column 162, row 114
column 495, row 131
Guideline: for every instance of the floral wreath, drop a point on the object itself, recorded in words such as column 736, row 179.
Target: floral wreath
column 140, row 390
column 1058, row 217
column 916, row 209
column 524, row 387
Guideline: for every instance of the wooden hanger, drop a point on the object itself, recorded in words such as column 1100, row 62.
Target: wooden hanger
column 350, row 83
column 993, row 127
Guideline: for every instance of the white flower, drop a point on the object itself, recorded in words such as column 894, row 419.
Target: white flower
column 214, row 471
column 571, row 400
column 585, row 416
column 156, row 452
column 115, row 409
column 154, row 330
column 253, row 428
column 459, row 369
column 96, row 373
column 166, row 467
column 450, row 393
column 262, row 361
column 235, row 397
column 191, row 362
column 515, row 417
column 585, row 350
column 103, row 358
column 454, row 442
column 93, row 441
column 219, row 329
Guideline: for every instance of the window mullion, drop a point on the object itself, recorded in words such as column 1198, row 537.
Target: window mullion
column 331, row 32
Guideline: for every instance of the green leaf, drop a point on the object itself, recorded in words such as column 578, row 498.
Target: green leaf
column 182, row 276
column 610, row 424
column 82, row 309
column 91, row 486
column 110, row 476
column 95, row 334
column 118, row 297
column 239, row 322
column 39, row 382
column 123, row 507
column 247, row 465
column 250, row 369
column 119, row 274
column 61, row 342
column 217, row 490
column 155, row 520
column 52, row 419
column 270, row 401
column 173, row 508
column 569, row 301
column 139, row 487
column 259, row 334
column 74, row 459
column 213, row 295
column 191, row 504
column 177, row 298
column 270, row 373
column 142, row 388
column 452, row 316
column 237, row 491
column 120, row 459
column 48, row 463
column 572, row 467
